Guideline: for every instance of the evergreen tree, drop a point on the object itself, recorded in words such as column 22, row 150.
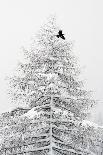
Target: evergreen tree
column 52, row 71
column 50, row 87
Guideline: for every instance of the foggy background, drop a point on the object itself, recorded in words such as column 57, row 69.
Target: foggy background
column 81, row 21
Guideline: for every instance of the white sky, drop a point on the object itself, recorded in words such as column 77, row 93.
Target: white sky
column 81, row 20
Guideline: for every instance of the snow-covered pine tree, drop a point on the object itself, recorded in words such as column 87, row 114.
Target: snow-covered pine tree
column 49, row 85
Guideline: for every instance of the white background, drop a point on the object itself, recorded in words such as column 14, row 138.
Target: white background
column 81, row 21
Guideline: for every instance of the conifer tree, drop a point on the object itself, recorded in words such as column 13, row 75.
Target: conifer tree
column 50, row 87
column 51, row 71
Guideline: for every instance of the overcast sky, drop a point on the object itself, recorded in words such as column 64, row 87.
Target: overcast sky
column 81, row 21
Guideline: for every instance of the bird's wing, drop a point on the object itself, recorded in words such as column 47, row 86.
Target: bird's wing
column 60, row 31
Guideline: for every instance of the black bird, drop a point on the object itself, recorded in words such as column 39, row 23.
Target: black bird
column 60, row 34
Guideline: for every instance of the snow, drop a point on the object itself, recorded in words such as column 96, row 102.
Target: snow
column 92, row 124
column 31, row 113
column 49, row 76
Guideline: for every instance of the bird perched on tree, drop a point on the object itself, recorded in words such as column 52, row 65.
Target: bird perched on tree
column 60, row 34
